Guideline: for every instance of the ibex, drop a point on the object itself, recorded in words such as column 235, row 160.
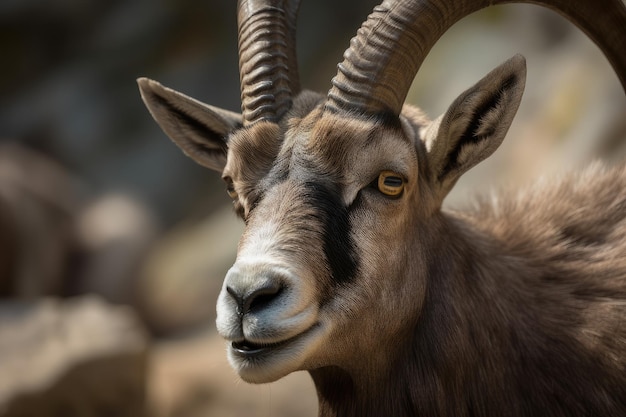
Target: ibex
column 350, row 269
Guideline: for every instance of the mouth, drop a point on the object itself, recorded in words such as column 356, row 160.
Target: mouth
column 261, row 362
column 248, row 349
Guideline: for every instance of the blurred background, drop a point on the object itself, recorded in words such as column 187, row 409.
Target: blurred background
column 113, row 245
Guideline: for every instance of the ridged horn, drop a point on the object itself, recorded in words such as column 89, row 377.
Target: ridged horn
column 267, row 58
column 385, row 55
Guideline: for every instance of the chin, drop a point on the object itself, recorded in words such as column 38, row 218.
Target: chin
column 263, row 363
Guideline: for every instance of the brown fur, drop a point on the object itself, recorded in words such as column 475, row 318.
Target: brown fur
column 515, row 307
column 523, row 313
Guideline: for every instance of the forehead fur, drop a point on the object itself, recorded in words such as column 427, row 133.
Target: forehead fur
column 252, row 151
column 346, row 149
column 343, row 143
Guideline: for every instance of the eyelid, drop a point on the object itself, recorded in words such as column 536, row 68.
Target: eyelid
column 230, row 187
column 390, row 183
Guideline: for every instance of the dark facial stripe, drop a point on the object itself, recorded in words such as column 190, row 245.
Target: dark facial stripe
column 339, row 246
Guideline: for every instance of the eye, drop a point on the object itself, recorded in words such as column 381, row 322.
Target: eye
column 390, row 183
column 230, row 188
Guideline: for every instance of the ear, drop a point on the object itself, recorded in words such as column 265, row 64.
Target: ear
column 200, row 130
column 475, row 124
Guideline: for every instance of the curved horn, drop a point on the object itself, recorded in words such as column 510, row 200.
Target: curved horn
column 390, row 46
column 267, row 58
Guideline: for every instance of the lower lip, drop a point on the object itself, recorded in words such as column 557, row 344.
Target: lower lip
column 246, row 351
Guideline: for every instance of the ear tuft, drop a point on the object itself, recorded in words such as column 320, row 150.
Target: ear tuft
column 476, row 123
column 200, row 130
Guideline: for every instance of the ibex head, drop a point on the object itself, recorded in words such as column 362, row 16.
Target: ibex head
column 341, row 193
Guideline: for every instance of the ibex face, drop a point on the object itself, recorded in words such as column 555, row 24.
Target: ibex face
column 321, row 266
column 340, row 193
column 339, row 216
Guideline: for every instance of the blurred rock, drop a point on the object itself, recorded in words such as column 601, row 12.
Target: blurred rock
column 612, row 145
column 54, row 240
column 8, row 249
column 38, row 204
column 75, row 358
column 190, row 377
column 114, row 233
column 182, row 276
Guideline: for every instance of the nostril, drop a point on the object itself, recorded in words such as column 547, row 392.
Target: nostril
column 238, row 298
column 257, row 299
column 262, row 296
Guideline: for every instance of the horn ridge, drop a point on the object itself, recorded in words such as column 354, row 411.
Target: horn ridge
column 267, row 62
column 384, row 56
column 387, row 51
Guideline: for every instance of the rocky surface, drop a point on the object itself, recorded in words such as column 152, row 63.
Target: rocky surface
column 38, row 204
column 73, row 358
column 181, row 276
column 190, row 377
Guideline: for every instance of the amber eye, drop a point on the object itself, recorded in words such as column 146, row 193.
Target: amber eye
column 230, row 188
column 390, row 183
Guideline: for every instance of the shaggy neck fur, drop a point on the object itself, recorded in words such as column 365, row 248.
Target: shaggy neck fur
column 494, row 338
